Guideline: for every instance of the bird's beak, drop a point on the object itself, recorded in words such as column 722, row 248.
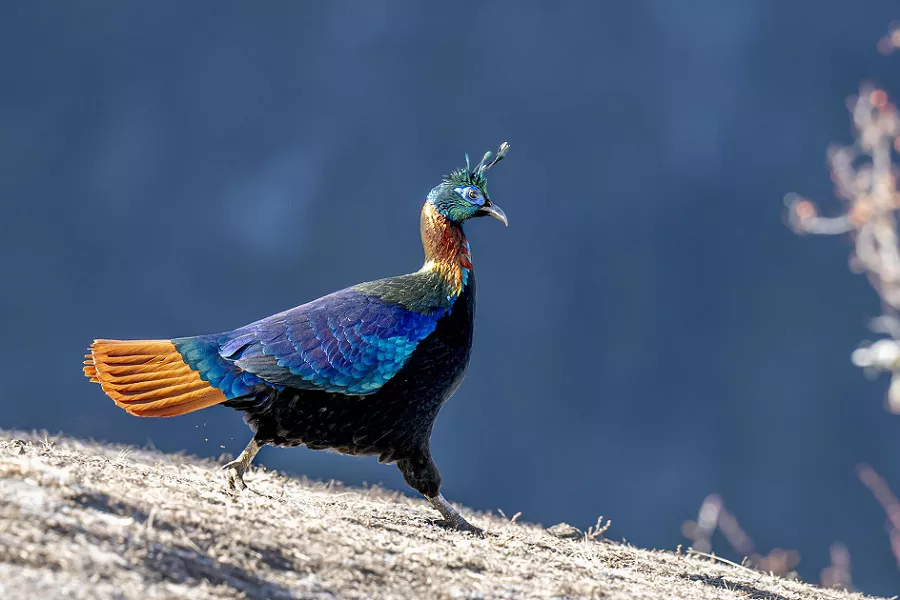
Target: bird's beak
column 492, row 210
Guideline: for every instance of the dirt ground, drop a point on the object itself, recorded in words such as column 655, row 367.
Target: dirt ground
column 88, row 520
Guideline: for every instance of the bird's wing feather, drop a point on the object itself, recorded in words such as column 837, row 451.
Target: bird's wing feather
column 348, row 342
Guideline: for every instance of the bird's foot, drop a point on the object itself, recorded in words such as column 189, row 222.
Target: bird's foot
column 235, row 469
column 460, row 524
column 235, row 476
column 452, row 518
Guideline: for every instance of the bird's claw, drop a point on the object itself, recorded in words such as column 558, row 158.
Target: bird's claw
column 452, row 518
column 460, row 524
column 235, row 477
column 235, row 469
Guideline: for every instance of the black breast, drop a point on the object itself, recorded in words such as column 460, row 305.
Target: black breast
column 393, row 422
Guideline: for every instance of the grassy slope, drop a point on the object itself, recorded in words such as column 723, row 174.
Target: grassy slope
column 89, row 520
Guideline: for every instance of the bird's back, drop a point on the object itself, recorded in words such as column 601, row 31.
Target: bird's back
column 391, row 422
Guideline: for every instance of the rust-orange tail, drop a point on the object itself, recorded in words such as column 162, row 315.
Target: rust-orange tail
column 148, row 378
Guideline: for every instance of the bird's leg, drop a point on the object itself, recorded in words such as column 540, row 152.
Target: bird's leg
column 452, row 516
column 422, row 475
column 238, row 467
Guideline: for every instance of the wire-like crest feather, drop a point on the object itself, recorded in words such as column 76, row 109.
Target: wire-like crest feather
column 484, row 165
column 477, row 176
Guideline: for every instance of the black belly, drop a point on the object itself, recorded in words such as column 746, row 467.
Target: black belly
column 395, row 421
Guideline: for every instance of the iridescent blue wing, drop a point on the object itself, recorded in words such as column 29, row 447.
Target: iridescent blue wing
column 348, row 342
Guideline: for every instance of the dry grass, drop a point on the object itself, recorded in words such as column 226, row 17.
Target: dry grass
column 90, row 520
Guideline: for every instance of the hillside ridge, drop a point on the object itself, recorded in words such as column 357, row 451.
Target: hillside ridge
column 82, row 519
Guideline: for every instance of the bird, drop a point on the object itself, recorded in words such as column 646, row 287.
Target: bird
column 361, row 371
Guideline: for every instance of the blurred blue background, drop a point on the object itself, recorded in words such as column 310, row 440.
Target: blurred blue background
column 649, row 329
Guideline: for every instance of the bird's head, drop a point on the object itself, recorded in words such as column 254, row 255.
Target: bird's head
column 463, row 195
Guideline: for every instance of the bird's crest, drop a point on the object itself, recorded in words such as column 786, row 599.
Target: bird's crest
column 476, row 176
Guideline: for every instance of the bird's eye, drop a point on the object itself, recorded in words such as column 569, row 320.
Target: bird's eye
column 470, row 193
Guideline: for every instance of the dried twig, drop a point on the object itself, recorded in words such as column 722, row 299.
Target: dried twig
column 837, row 575
column 714, row 516
column 889, row 502
column 599, row 529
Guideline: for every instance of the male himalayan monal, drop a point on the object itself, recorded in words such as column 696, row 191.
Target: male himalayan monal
column 362, row 371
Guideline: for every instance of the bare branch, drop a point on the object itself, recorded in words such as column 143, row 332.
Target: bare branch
column 888, row 501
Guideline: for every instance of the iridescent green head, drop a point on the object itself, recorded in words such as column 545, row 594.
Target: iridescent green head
column 463, row 195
